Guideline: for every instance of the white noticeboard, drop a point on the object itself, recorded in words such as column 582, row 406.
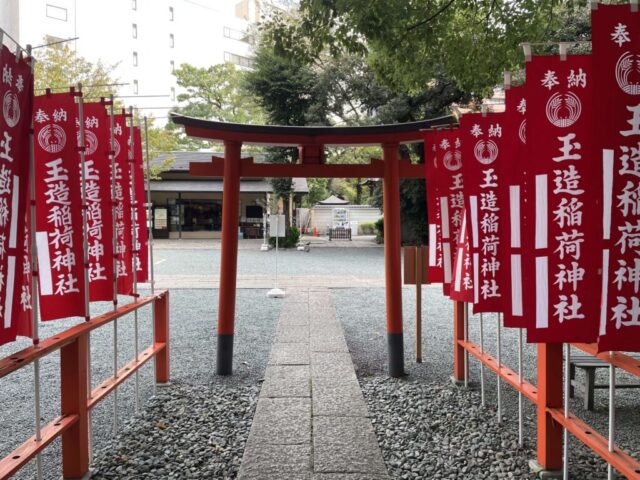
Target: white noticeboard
column 277, row 225
column 340, row 217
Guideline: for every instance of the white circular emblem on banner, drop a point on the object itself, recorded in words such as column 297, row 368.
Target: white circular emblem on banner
column 11, row 109
column 627, row 65
column 522, row 132
column 52, row 138
column 452, row 161
column 90, row 142
column 564, row 109
column 486, row 151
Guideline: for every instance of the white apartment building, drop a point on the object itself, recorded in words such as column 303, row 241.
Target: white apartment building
column 144, row 39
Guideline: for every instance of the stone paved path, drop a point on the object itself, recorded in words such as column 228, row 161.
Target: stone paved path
column 311, row 422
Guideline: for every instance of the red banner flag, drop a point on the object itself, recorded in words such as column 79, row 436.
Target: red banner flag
column 59, row 235
column 513, row 171
column 562, row 190
column 449, row 188
column 98, row 196
column 435, row 270
column 142, row 234
column 16, row 91
column 616, row 59
column 123, row 206
column 482, row 142
column 462, row 275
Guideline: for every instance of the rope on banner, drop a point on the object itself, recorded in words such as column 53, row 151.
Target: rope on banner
column 34, row 281
column 44, row 45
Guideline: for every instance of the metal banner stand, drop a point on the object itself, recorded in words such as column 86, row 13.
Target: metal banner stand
column 265, row 247
column 276, row 292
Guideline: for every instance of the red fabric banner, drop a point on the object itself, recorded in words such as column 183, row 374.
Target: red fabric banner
column 616, row 146
column 59, row 235
column 562, row 190
column 142, row 234
column 98, row 196
column 450, row 192
column 513, row 172
column 123, row 207
column 435, row 272
column 462, row 274
column 482, row 143
column 16, row 91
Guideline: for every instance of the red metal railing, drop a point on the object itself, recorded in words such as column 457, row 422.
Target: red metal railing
column 548, row 396
column 73, row 423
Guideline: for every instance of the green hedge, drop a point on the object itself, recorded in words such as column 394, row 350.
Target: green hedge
column 289, row 241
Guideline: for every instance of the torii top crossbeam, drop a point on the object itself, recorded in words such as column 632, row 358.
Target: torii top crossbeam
column 310, row 142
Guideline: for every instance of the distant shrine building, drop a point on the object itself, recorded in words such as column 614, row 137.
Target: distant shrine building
column 190, row 207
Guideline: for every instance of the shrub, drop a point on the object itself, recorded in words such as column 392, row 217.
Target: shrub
column 380, row 230
column 290, row 240
column 367, row 228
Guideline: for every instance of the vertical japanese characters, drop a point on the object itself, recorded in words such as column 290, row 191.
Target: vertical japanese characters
column 124, row 254
column 16, row 91
column 559, row 196
column 616, row 57
column 435, row 269
column 59, row 235
column 140, row 212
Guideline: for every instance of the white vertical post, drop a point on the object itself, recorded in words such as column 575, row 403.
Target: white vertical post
column 466, row 339
column 34, row 283
column 277, row 235
column 499, row 335
column 134, row 251
column 567, row 386
column 85, row 247
column 149, row 226
column 116, row 255
column 482, row 395
column 520, row 380
column 612, row 413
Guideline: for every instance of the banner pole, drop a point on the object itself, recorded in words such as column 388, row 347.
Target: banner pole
column 149, row 227
column 499, row 370
column 520, row 409
column 466, row 339
column 482, row 397
column 612, row 414
column 34, row 282
column 134, row 254
column 112, row 155
column 419, row 304
column 567, row 385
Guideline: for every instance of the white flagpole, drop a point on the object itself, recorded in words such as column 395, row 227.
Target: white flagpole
column 112, row 155
column 520, row 408
column 85, row 246
column 565, row 433
column 149, row 226
column 612, row 413
column 499, row 370
column 482, row 396
column 466, row 339
column 34, row 282
column 134, row 250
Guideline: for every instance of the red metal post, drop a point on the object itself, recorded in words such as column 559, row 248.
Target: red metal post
column 392, row 257
column 161, row 319
column 74, row 391
column 229, row 256
column 549, row 395
column 458, row 335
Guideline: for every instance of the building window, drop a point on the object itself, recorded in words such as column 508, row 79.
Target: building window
column 135, row 59
column 171, row 40
column 134, row 30
column 173, row 66
column 234, row 34
column 134, row 4
column 173, row 94
column 135, row 87
column 238, row 60
column 171, row 14
column 57, row 13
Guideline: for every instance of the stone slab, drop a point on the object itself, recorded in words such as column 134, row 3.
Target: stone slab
column 329, row 344
column 281, row 421
column 292, row 333
column 342, row 403
column 346, row 445
column 286, row 381
column 290, row 462
column 289, row 354
column 348, row 476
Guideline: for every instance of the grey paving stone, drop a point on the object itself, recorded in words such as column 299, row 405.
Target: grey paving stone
column 292, row 320
column 348, row 476
column 289, row 354
column 286, row 381
column 281, row 421
column 292, row 333
column 341, row 402
column 346, row 445
column 261, row 461
column 332, row 364
column 329, row 344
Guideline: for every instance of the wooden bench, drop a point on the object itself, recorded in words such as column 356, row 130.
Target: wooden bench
column 589, row 364
column 339, row 233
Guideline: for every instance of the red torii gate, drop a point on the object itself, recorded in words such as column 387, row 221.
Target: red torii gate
column 310, row 142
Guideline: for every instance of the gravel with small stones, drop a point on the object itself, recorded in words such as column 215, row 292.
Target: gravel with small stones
column 185, row 432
